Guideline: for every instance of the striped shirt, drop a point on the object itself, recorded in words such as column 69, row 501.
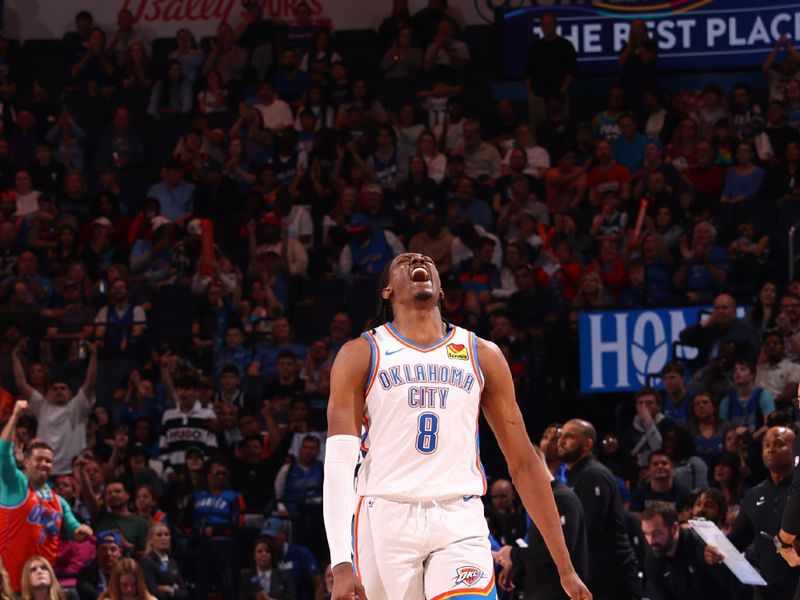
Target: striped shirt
column 183, row 430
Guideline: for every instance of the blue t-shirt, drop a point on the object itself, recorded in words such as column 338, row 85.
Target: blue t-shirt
column 301, row 566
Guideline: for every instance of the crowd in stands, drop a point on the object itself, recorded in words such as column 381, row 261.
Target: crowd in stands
column 191, row 229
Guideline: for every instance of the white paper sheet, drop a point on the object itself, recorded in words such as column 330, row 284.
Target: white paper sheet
column 734, row 560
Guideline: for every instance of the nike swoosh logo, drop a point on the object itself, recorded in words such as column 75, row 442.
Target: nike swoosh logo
column 760, row 502
column 390, row 352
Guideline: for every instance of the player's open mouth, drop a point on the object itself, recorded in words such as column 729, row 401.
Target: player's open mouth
column 420, row 274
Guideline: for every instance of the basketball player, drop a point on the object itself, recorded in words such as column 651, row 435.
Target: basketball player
column 416, row 384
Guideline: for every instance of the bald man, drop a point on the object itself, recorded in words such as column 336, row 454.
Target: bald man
column 506, row 517
column 760, row 518
column 613, row 571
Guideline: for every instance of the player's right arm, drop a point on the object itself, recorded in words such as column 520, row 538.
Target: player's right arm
column 345, row 412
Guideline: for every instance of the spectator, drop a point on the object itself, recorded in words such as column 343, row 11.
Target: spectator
column 265, row 577
column 788, row 70
column 39, row 580
column 549, row 69
column 290, row 81
column 645, row 435
column 115, row 515
column 445, row 51
column 638, row 61
column 727, row 477
column 607, row 176
column 481, row 160
column 750, row 405
column 215, row 515
column 660, row 486
column 225, row 57
column 275, row 113
column 187, row 54
column 6, row 593
column 710, row 505
column 298, row 484
column 61, row 418
column 124, row 37
column 35, row 516
column 706, row 427
column 93, row 64
column 771, row 494
column 295, row 561
column 120, row 146
column 369, row 250
column 161, row 573
column 302, row 33
column 171, row 95
column 721, row 326
column 506, row 517
column 185, row 426
column 629, row 146
column 611, row 558
column 676, row 400
column 94, row 577
column 174, row 194
column 788, row 324
column 775, row 373
column 690, row 470
column 675, row 568
column 127, row 583
column 120, row 325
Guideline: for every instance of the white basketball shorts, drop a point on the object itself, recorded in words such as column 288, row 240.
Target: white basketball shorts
column 423, row 550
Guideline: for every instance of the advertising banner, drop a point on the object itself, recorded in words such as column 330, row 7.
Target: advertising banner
column 691, row 34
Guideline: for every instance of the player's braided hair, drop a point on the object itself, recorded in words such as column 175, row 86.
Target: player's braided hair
column 385, row 312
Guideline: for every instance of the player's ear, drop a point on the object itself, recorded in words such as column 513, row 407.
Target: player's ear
column 386, row 293
column 441, row 294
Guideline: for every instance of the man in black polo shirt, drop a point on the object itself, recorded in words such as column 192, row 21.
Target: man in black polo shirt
column 540, row 579
column 549, row 70
column 760, row 519
column 613, row 572
column 674, row 567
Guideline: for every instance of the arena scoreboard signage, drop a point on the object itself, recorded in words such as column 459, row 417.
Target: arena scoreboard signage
column 691, row 34
column 620, row 348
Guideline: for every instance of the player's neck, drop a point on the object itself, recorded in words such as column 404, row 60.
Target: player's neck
column 423, row 327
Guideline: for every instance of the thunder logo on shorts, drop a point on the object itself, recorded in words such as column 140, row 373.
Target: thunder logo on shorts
column 468, row 575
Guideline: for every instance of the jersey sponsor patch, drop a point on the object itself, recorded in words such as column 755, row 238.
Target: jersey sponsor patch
column 457, row 352
column 468, row 575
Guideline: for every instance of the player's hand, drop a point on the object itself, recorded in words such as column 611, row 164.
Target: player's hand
column 575, row 588
column 790, row 556
column 346, row 585
column 712, row 555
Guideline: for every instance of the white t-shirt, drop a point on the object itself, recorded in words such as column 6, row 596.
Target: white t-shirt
column 538, row 161
column 62, row 426
column 28, row 204
column 277, row 115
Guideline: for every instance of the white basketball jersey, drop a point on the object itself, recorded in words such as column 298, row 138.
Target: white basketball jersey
column 421, row 418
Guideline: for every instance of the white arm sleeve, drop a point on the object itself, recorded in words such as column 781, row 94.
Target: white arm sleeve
column 339, row 494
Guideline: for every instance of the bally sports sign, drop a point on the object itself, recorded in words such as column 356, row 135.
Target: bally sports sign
column 691, row 34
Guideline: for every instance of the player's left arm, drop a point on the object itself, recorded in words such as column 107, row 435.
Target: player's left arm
column 528, row 473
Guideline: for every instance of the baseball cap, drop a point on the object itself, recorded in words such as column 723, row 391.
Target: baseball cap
column 108, row 537
column 272, row 527
column 358, row 222
column 195, row 450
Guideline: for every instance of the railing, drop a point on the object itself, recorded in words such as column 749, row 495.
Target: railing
column 792, row 257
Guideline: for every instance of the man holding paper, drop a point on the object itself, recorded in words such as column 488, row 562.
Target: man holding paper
column 760, row 518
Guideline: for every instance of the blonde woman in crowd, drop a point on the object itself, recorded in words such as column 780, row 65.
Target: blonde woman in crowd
column 38, row 581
